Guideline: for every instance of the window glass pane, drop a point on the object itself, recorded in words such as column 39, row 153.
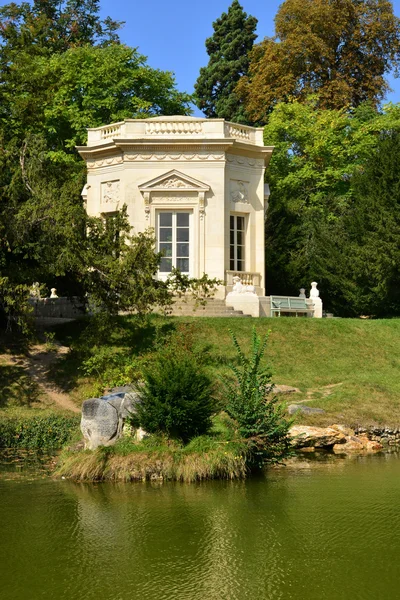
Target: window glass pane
column 182, row 219
column 232, row 265
column 165, row 219
column 232, row 237
column 165, row 234
column 166, row 265
column 232, row 222
column 232, row 252
column 240, row 265
column 182, row 250
column 166, row 248
column 240, row 237
column 240, row 253
column 240, row 223
column 182, row 264
column 182, row 235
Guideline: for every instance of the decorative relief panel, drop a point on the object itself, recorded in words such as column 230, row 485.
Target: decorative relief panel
column 244, row 161
column 110, row 192
column 175, row 182
column 105, row 162
column 239, row 191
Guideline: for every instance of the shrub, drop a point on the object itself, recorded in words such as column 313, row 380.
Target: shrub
column 176, row 396
column 110, row 367
column 37, row 432
column 260, row 417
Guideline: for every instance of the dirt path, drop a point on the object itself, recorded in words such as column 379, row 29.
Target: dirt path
column 38, row 365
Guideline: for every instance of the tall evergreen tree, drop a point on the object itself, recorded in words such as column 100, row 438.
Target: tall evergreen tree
column 373, row 226
column 228, row 49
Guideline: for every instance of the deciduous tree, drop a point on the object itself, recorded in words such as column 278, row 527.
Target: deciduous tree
column 62, row 70
column 340, row 49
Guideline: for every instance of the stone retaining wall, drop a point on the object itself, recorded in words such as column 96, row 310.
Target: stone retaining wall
column 58, row 308
column 383, row 435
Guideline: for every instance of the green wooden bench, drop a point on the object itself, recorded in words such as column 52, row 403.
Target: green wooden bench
column 287, row 304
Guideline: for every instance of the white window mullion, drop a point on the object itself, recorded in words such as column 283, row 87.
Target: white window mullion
column 175, row 236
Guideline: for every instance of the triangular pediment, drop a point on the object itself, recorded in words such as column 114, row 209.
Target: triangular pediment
column 174, row 180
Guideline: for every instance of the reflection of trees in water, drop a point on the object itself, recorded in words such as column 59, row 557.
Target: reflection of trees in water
column 277, row 537
column 191, row 541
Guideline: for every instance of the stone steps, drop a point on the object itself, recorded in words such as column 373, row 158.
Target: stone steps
column 213, row 308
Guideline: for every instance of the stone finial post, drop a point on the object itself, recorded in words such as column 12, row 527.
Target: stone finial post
column 302, row 293
column 35, row 290
column 314, row 296
column 53, row 293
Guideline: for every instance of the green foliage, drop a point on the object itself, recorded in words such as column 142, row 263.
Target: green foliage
column 260, row 417
column 37, row 432
column 228, row 49
column 121, row 268
column 198, row 289
column 63, row 70
column 54, row 25
column 50, row 343
column 360, row 385
column 111, row 368
column 318, row 154
column 15, row 312
column 176, row 395
column 373, row 226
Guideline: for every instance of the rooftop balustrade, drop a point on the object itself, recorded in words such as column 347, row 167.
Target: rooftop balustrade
column 174, row 127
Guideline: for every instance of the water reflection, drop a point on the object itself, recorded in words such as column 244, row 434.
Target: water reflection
column 313, row 533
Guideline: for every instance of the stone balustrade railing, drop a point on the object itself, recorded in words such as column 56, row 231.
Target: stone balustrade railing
column 174, row 128
column 246, row 277
column 239, row 132
column 179, row 127
column 110, row 132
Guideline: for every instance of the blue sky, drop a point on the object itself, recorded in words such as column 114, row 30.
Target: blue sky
column 172, row 34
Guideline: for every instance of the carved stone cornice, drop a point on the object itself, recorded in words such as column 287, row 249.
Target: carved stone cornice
column 130, row 156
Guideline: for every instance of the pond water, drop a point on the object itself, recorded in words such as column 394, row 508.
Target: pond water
column 327, row 531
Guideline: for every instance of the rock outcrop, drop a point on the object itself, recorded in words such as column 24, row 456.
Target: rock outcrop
column 317, row 437
column 339, row 438
column 103, row 418
column 356, row 445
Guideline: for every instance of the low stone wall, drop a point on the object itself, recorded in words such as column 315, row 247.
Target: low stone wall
column 384, row 435
column 58, row 308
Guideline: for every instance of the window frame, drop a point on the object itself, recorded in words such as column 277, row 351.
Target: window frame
column 174, row 212
column 237, row 263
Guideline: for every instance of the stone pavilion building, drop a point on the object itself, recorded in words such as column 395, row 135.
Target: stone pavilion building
column 198, row 182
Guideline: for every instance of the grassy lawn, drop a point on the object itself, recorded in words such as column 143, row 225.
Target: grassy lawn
column 348, row 367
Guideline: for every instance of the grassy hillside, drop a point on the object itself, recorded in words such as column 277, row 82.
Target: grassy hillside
column 348, row 367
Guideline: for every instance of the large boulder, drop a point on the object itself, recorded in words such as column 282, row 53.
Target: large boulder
column 103, row 418
column 318, row 437
column 99, row 423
